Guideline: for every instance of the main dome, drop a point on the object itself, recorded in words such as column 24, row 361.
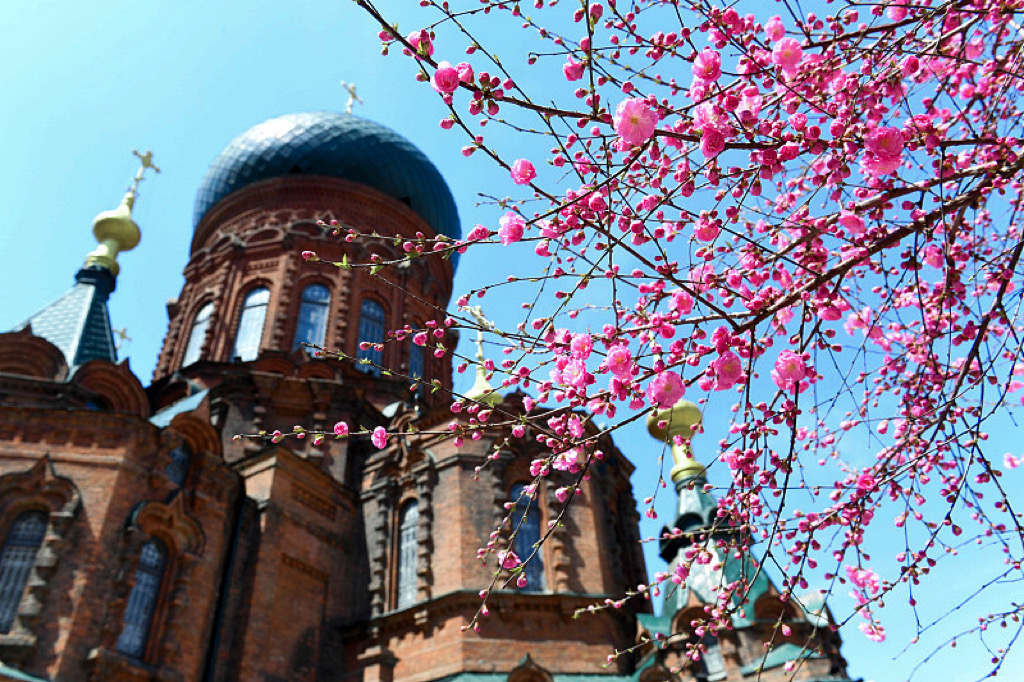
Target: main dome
column 339, row 146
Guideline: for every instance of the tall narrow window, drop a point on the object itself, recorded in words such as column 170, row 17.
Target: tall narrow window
column 177, row 468
column 371, row 330
column 138, row 614
column 250, row 325
column 16, row 561
column 312, row 324
column 526, row 517
column 408, row 550
column 197, row 336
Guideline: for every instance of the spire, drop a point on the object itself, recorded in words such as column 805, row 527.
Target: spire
column 115, row 230
column 78, row 322
column 698, row 509
column 482, row 391
column 678, row 420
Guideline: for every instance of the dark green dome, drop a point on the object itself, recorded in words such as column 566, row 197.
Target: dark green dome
column 339, row 146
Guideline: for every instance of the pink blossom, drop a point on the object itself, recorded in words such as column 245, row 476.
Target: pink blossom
column 877, row 166
column 562, row 493
column 884, row 151
column 619, row 361
column 379, row 438
column 682, row 301
column 522, row 172
column 465, row 72
column 341, row 429
column 790, row 369
column 852, row 222
column 864, row 578
column 775, row 28
column 896, row 11
column 445, row 78
column 787, row 53
column 581, row 345
column 421, row 41
column 712, row 143
column 1011, row 462
column 573, row 70
column 575, row 374
column 728, row 370
column 508, row 559
column 873, row 631
column 666, row 389
column 865, row 483
column 420, row 338
column 567, row 460
column 478, row 233
column 884, row 141
column 707, row 66
column 635, row 121
column 309, row 255
column 511, row 228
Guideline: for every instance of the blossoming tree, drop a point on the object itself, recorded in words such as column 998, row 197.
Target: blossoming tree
column 814, row 218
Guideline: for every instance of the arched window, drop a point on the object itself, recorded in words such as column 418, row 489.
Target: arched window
column 16, row 561
column 250, row 325
column 312, row 325
column 526, row 517
column 196, row 337
column 138, row 614
column 408, row 552
column 177, row 468
column 372, row 321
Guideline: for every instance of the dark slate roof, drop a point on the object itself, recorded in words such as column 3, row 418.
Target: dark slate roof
column 336, row 145
column 779, row 655
column 78, row 322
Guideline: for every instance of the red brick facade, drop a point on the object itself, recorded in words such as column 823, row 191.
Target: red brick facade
column 281, row 560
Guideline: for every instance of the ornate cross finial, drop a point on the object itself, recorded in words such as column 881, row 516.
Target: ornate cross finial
column 478, row 314
column 352, row 96
column 122, row 337
column 146, row 161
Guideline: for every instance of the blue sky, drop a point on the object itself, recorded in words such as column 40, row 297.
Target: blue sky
column 82, row 84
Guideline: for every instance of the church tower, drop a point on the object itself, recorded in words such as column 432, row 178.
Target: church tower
column 140, row 539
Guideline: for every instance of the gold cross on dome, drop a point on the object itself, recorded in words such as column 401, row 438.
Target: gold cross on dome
column 146, row 161
column 352, row 96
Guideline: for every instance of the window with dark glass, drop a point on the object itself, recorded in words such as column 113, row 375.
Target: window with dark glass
column 250, row 325
column 196, row 337
column 372, row 323
column 526, row 517
column 138, row 614
column 311, row 327
column 177, row 468
column 408, row 550
column 16, row 561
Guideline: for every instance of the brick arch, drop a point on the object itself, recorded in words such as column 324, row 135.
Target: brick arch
column 116, row 384
column 171, row 523
column 24, row 353
column 196, row 431
column 769, row 607
column 40, row 487
column 529, row 671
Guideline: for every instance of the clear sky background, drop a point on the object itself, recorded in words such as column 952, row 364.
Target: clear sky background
column 81, row 84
